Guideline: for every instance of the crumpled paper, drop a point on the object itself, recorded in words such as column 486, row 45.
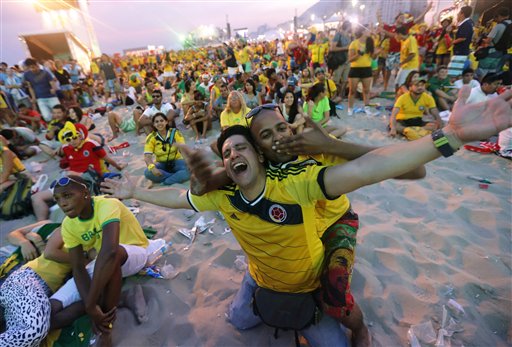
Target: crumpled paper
column 200, row 226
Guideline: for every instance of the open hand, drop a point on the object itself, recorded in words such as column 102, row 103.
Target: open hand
column 198, row 162
column 120, row 189
column 313, row 140
column 480, row 120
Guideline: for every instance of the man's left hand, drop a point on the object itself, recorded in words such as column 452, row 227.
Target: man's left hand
column 481, row 120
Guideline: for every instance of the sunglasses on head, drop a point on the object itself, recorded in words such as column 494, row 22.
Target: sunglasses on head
column 255, row 111
column 64, row 181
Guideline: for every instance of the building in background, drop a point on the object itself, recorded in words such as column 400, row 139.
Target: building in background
column 67, row 32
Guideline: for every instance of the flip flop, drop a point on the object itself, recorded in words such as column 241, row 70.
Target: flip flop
column 490, row 145
column 40, row 183
column 114, row 149
column 478, row 149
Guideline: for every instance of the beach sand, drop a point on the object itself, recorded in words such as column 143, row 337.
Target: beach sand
column 420, row 244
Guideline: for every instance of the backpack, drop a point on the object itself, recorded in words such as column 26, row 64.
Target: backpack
column 336, row 59
column 505, row 41
column 15, row 201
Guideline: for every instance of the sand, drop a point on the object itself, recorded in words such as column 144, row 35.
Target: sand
column 420, row 244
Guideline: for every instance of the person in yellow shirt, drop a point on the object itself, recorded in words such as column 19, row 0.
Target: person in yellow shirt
column 410, row 108
column 409, row 55
column 10, row 166
column 95, row 70
column 25, row 293
column 245, row 56
column 360, row 54
column 444, row 41
column 318, row 50
column 235, row 111
column 108, row 227
column 169, row 167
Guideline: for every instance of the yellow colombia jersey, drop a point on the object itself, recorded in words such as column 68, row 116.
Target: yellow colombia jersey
column 278, row 229
column 411, row 109
column 158, row 146
column 327, row 211
column 89, row 233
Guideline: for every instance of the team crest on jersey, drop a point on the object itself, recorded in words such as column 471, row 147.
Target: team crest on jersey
column 277, row 213
column 422, row 108
column 86, row 153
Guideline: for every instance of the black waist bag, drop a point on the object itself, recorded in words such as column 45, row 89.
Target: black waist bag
column 287, row 311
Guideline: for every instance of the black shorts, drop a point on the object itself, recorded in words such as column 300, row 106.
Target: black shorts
column 360, row 72
column 412, row 122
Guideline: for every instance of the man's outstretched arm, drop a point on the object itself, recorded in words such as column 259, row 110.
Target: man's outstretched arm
column 467, row 123
column 126, row 189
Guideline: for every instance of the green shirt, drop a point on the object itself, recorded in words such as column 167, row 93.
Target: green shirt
column 318, row 110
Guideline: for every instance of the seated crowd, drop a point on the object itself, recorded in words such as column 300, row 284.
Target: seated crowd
column 257, row 94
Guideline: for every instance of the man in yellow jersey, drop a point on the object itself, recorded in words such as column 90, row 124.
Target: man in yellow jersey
column 108, row 227
column 409, row 55
column 271, row 214
column 410, row 108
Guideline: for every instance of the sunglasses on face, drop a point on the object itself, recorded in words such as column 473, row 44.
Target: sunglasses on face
column 255, row 111
column 156, row 96
column 70, row 138
column 64, row 181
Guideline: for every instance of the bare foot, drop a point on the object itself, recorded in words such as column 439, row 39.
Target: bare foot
column 112, row 138
column 361, row 337
column 134, row 300
column 150, row 185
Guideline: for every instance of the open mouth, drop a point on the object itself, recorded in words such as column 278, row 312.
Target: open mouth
column 239, row 168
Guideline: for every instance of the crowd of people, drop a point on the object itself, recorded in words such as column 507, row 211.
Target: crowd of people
column 282, row 156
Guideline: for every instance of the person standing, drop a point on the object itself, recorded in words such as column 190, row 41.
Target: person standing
column 108, row 74
column 459, row 60
column 339, row 46
column 42, row 87
column 409, row 55
column 360, row 53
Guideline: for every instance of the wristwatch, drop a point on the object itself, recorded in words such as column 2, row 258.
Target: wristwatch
column 441, row 143
column 151, row 166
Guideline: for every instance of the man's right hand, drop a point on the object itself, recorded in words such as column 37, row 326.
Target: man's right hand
column 119, row 189
column 392, row 132
column 198, row 162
